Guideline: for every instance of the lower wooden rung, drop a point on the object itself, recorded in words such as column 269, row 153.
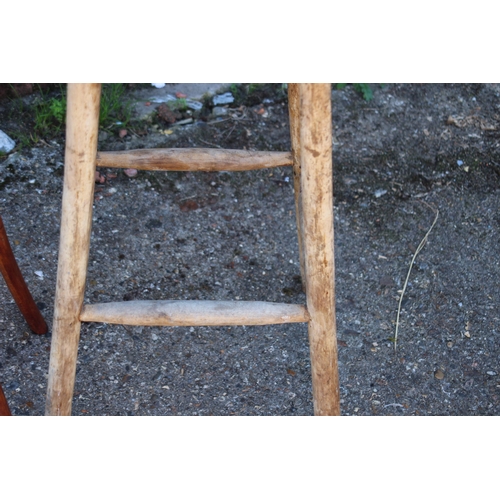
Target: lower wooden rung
column 194, row 313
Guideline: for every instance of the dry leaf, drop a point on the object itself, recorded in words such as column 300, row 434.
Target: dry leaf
column 99, row 177
column 188, row 205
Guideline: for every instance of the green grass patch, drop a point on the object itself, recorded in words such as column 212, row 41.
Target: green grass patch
column 365, row 90
column 114, row 105
column 50, row 112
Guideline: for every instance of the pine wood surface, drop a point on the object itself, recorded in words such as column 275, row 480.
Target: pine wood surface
column 193, row 159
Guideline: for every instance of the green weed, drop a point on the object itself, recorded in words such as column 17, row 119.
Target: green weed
column 23, row 139
column 363, row 89
column 114, row 107
column 180, row 104
column 253, row 87
column 49, row 115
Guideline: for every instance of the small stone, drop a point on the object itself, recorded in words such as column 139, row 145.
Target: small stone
column 491, row 373
column 189, row 205
column 226, row 98
column 163, row 98
column 386, row 281
column 6, row 143
column 122, row 133
column 260, row 110
column 39, row 274
column 99, row 177
column 194, row 105
column 219, row 111
column 187, row 121
column 130, row 172
column 439, row 374
column 348, row 181
column 380, row 192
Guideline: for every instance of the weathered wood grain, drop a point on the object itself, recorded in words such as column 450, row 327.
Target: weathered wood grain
column 194, row 313
column 79, row 174
column 317, row 227
column 294, row 114
column 193, row 159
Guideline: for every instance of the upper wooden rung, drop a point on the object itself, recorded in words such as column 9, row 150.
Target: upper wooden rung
column 194, row 313
column 193, row 159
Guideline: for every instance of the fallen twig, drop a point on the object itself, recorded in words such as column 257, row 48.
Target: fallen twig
column 420, row 246
column 210, row 144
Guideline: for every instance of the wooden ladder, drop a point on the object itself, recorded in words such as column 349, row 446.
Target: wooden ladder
column 311, row 158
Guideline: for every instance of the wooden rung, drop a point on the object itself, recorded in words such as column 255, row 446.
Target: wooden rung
column 194, row 313
column 193, row 159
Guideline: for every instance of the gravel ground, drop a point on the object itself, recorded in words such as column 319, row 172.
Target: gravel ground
column 411, row 151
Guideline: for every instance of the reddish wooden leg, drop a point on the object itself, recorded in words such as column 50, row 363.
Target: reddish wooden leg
column 17, row 286
column 4, row 407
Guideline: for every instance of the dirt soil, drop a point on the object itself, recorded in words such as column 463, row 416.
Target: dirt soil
column 411, row 151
